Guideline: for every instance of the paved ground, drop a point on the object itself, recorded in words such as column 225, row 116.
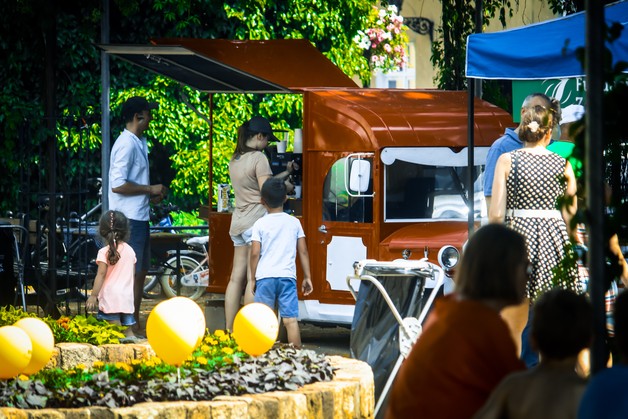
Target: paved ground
column 327, row 340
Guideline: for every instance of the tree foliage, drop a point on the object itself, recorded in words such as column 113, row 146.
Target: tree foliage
column 181, row 127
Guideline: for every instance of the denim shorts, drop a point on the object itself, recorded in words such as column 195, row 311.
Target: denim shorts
column 139, row 240
column 243, row 239
column 271, row 291
column 125, row 319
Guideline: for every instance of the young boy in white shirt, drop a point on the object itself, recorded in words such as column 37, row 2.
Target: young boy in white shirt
column 276, row 239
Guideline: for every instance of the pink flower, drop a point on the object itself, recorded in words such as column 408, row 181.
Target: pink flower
column 387, row 48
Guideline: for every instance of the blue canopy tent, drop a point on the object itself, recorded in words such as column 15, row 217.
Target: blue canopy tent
column 540, row 51
column 548, row 50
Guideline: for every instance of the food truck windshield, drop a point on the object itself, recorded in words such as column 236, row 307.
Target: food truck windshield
column 420, row 184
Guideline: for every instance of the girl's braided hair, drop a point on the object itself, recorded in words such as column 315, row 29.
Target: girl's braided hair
column 113, row 227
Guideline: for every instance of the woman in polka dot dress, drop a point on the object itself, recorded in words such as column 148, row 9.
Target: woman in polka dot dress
column 528, row 183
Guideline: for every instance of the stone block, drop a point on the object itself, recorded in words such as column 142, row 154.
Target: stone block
column 143, row 350
column 199, row 410
column 117, row 353
column 45, row 414
column 100, row 412
column 73, row 354
column 357, row 371
column 228, row 409
column 291, row 404
column 55, row 358
column 150, row 410
column 13, row 413
column 256, row 407
column 79, row 413
column 320, row 401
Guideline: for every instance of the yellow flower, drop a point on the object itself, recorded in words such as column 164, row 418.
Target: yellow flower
column 227, row 350
column 98, row 364
column 205, row 348
column 136, row 361
column 201, row 360
column 150, row 363
column 124, row 366
column 156, row 360
column 23, row 377
column 224, row 338
column 219, row 333
column 80, row 367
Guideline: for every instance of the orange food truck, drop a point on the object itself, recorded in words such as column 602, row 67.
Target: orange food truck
column 383, row 171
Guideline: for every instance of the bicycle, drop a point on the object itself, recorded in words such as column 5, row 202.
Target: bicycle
column 183, row 275
column 162, row 276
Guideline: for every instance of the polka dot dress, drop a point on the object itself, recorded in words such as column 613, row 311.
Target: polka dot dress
column 539, row 183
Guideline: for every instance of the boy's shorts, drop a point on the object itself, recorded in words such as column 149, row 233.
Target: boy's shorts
column 125, row 319
column 282, row 290
column 243, row 239
column 139, row 240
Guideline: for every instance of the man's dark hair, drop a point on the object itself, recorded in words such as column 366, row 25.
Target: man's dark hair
column 562, row 325
column 274, row 192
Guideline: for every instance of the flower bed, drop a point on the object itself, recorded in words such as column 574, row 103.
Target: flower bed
column 217, row 379
column 349, row 394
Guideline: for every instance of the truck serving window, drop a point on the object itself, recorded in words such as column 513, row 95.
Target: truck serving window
column 340, row 201
column 430, row 183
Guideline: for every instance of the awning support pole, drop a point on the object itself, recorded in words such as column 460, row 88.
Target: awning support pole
column 594, row 180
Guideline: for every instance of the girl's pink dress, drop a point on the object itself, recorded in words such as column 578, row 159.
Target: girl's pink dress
column 116, row 294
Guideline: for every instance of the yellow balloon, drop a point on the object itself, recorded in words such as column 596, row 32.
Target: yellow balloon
column 255, row 328
column 43, row 342
column 174, row 328
column 15, row 351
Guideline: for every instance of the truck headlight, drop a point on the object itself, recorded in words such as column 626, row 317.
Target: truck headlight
column 448, row 257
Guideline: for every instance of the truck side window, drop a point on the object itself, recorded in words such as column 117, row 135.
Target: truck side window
column 338, row 205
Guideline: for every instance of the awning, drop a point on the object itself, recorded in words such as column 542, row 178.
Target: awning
column 227, row 66
column 541, row 51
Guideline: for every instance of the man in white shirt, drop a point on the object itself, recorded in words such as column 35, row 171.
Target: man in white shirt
column 130, row 189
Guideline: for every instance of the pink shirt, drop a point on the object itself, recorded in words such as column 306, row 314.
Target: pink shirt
column 116, row 294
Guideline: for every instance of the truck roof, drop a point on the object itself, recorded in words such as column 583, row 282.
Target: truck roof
column 369, row 119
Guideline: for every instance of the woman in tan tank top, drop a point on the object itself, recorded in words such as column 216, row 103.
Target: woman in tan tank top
column 249, row 169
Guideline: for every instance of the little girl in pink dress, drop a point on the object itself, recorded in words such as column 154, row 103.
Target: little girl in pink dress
column 112, row 294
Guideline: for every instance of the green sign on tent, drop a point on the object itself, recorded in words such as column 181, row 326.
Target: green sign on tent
column 569, row 91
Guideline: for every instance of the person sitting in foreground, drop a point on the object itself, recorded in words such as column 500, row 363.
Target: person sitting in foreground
column 605, row 396
column 466, row 348
column 562, row 326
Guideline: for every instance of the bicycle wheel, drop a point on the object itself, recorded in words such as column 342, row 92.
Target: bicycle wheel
column 152, row 287
column 169, row 278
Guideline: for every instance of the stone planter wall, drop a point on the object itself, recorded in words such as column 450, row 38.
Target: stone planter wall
column 349, row 395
